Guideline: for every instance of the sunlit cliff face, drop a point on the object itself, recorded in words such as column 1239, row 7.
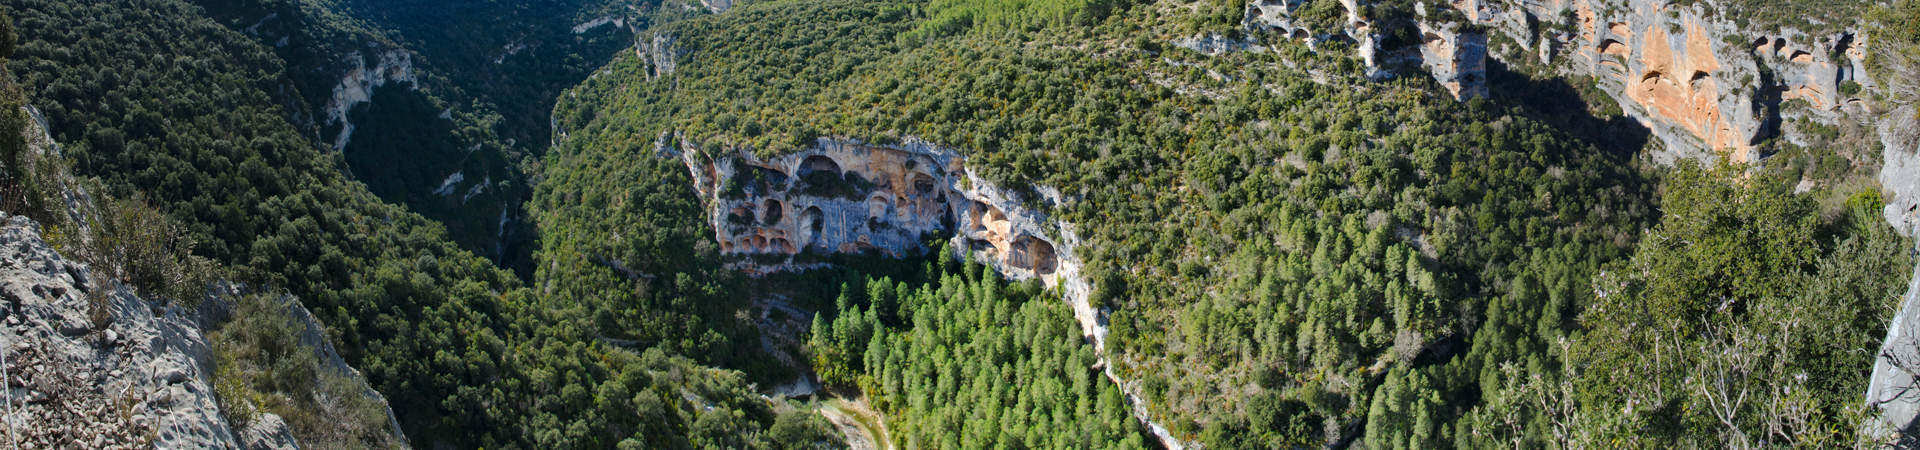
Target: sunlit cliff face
column 843, row 197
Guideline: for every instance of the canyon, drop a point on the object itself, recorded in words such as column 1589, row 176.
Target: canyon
column 846, row 196
column 1704, row 86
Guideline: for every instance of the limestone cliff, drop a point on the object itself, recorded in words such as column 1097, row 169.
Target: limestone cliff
column 1894, row 388
column 1704, row 83
column 389, row 66
column 89, row 364
column 659, row 52
column 1457, row 59
column 847, row 196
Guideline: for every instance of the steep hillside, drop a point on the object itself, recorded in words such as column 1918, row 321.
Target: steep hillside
column 960, row 223
column 433, row 107
column 1272, row 228
column 174, row 116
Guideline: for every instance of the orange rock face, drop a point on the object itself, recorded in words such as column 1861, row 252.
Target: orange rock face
column 1677, row 84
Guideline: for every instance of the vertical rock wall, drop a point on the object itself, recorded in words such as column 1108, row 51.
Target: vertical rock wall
column 357, row 84
column 1705, row 85
column 845, row 196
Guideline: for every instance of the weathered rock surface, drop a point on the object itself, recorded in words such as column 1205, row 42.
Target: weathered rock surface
column 1456, row 59
column 268, row 432
column 89, row 364
column 1900, row 168
column 660, row 53
column 1705, row 85
column 1894, row 388
column 846, row 196
column 389, row 66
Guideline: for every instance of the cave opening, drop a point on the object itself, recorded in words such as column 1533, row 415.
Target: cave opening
column 774, row 212
column 922, row 183
column 819, row 163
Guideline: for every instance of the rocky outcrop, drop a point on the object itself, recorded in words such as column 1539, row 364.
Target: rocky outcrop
column 1899, row 132
column 266, row 427
column 389, row 66
column 844, row 196
column 1215, row 44
column 847, row 196
column 583, row 27
column 1894, row 388
column 1285, row 17
column 89, row 364
column 1457, row 59
column 1706, row 85
column 1278, row 15
column 268, row 432
column 660, row 53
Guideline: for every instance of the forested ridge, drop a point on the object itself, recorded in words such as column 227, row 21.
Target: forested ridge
column 157, row 101
column 456, row 140
column 1289, row 254
column 1314, row 251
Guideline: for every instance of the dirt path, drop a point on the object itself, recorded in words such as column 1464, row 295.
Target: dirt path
column 862, row 426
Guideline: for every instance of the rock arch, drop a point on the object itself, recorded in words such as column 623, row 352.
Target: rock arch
column 990, row 221
column 922, row 183
column 812, row 221
column 1034, row 254
column 781, row 245
column 819, row 163
column 878, row 205
column 1613, row 47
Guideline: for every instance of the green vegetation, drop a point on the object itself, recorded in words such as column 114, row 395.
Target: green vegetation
column 1291, row 255
column 1284, row 258
column 950, row 16
column 486, row 75
column 264, row 368
column 965, row 361
column 1357, row 227
column 1743, row 319
column 158, row 102
column 1898, row 61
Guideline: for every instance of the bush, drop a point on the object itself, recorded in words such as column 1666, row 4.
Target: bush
column 137, row 243
column 261, row 366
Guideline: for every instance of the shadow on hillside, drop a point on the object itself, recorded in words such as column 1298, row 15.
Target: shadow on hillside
column 1556, row 102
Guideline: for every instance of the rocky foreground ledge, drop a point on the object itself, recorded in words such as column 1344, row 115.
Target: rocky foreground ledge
column 87, row 362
